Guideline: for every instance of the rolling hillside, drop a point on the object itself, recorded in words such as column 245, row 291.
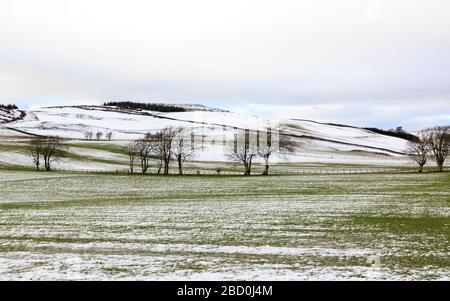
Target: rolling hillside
column 316, row 142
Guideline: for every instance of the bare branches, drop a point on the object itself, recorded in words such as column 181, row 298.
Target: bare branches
column 182, row 148
column 433, row 141
column 249, row 145
column 144, row 149
column 438, row 139
column 132, row 150
column 162, row 142
column 159, row 145
column 419, row 150
column 282, row 145
column 49, row 148
column 88, row 135
column 244, row 151
column 52, row 151
column 35, row 152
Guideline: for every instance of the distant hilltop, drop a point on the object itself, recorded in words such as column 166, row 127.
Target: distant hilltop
column 160, row 107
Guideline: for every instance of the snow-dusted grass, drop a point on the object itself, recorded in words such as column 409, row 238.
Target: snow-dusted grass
column 75, row 157
column 81, row 226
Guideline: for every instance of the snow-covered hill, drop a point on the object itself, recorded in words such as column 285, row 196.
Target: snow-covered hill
column 317, row 141
column 7, row 116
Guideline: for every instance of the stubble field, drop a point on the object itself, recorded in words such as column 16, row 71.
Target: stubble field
column 57, row 226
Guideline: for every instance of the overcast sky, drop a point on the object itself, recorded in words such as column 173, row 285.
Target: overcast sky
column 362, row 62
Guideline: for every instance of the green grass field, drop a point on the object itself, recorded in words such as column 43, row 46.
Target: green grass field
column 87, row 226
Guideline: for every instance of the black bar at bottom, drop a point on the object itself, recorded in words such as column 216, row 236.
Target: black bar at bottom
column 207, row 290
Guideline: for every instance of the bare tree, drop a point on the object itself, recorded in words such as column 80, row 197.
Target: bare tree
column 145, row 148
column 244, row 151
column 88, row 135
column 419, row 150
column 162, row 142
column 35, row 151
column 182, row 148
column 132, row 150
column 109, row 135
column 280, row 145
column 438, row 139
column 49, row 148
column 99, row 135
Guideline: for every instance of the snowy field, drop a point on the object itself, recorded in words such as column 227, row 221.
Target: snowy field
column 56, row 226
column 316, row 141
column 320, row 148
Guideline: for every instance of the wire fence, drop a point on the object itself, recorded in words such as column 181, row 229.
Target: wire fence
column 309, row 171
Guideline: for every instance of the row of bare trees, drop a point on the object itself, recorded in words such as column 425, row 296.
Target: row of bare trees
column 174, row 144
column 163, row 146
column 89, row 135
column 434, row 144
column 245, row 151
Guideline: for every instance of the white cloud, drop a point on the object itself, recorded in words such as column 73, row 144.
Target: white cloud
column 364, row 114
column 353, row 54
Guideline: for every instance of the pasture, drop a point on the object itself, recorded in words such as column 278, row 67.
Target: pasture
column 79, row 226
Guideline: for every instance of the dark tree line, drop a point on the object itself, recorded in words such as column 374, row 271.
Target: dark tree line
column 8, row 107
column 398, row 132
column 158, row 107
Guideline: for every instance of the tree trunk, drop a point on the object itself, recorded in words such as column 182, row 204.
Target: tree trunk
column 247, row 169
column 131, row 164
column 37, row 164
column 47, row 163
column 420, row 168
column 266, row 167
column 144, row 166
column 440, row 164
column 159, row 166
column 166, row 167
column 180, row 166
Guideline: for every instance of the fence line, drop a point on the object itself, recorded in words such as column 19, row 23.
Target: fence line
column 315, row 171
